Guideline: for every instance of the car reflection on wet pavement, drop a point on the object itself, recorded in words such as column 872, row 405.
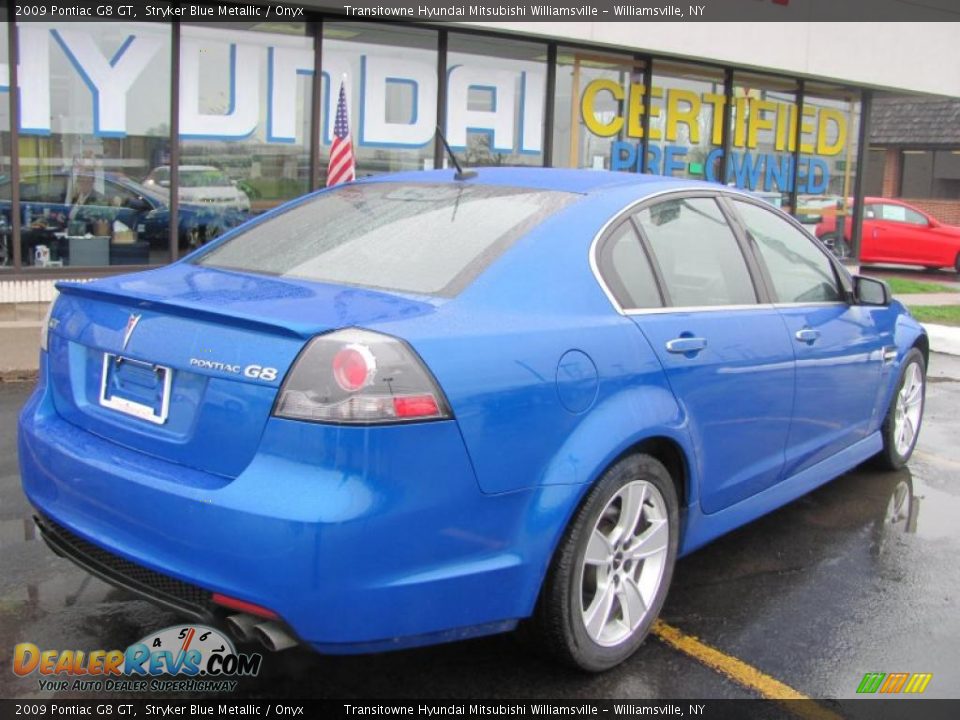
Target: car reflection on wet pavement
column 859, row 576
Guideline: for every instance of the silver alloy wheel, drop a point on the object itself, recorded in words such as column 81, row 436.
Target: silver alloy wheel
column 624, row 563
column 909, row 409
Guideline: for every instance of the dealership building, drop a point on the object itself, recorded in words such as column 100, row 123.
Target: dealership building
column 245, row 110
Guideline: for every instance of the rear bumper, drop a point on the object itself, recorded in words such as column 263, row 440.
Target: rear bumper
column 360, row 539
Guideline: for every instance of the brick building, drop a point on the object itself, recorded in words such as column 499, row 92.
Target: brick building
column 914, row 153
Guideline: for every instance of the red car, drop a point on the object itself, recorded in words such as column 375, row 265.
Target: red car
column 894, row 232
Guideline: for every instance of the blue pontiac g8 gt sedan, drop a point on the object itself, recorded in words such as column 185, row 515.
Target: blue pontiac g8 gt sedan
column 416, row 408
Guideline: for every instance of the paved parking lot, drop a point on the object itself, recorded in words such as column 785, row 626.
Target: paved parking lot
column 860, row 576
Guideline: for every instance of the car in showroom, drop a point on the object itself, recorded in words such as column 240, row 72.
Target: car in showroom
column 50, row 215
column 201, row 184
column 416, row 409
column 895, row 232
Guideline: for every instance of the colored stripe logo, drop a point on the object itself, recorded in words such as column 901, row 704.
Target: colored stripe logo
column 894, row 683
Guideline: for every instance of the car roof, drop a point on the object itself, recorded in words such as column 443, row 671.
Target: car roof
column 560, row 179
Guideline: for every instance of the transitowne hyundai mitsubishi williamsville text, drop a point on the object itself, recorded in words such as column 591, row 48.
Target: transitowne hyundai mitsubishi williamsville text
column 460, row 405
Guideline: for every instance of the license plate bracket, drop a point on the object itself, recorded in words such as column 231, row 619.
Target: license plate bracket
column 136, row 388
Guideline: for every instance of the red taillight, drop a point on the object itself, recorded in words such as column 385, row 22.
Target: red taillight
column 360, row 376
column 413, row 406
column 354, row 367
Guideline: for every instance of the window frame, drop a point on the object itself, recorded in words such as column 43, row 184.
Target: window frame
column 634, row 230
column 842, row 278
column 906, row 211
column 755, row 269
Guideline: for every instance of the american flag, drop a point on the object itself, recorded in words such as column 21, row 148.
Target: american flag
column 341, row 166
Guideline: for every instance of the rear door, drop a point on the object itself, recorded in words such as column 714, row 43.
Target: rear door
column 838, row 347
column 726, row 354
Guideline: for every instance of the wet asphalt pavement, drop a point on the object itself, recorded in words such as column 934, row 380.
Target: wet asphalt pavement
column 861, row 575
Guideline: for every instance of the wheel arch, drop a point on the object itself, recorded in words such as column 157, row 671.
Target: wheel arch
column 663, row 444
column 670, row 454
column 922, row 343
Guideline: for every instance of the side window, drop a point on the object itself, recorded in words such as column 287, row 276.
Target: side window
column 624, row 267
column 116, row 195
column 893, row 213
column 915, row 218
column 800, row 271
column 45, row 189
column 698, row 254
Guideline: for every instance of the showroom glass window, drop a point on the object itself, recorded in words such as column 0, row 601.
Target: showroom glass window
column 390, row 77
column 828, row 151
column 496, row 95
column 245, row 98
column 6, row 231
column 598, row 117
column 95, row 109
column 763, row 137
column 686, row 121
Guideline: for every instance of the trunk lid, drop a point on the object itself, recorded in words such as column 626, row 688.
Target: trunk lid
column 185, row 362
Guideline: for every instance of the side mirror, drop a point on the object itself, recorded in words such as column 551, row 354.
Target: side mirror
column 164, row 183
column 870, row 291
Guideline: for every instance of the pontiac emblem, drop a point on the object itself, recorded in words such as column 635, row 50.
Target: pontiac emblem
column 128, row 331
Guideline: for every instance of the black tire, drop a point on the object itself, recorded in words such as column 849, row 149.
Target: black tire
column 838, row 246
column 558, row 623
column 893, row 457
column 956, row 264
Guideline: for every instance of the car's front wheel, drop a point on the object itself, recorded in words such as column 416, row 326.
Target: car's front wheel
column 611, row 572
column 901, row 426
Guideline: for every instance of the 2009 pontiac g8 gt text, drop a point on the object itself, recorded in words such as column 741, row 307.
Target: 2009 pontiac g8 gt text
column 416, row 408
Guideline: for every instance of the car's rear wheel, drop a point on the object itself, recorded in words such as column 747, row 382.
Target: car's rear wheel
column 611, row 573
column 901, row 426
column 837, row 245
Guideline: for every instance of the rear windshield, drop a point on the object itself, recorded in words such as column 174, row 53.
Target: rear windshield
column 429, row 239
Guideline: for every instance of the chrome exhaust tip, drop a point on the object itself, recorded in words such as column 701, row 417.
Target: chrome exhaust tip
column 274, row 637
column 242, row 626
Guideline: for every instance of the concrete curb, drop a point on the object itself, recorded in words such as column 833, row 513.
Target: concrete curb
column 19, row 347
column 943, row 338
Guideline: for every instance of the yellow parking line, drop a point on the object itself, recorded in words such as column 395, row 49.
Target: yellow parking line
column 742, row 673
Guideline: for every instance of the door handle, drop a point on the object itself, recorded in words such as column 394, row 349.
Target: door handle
column 689, row 346
column 807, row 335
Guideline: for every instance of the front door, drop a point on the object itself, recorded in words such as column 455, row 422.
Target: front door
column 838, row 347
